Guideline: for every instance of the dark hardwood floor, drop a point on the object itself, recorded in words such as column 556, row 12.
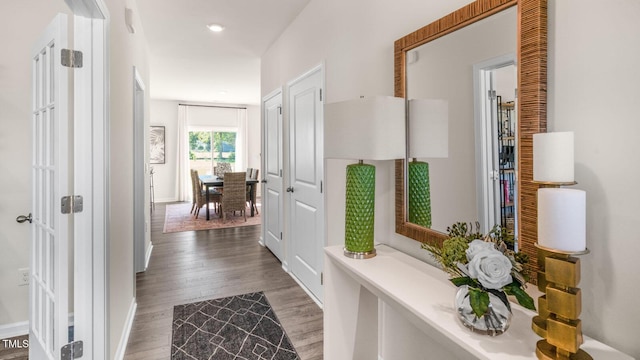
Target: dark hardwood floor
column 9, row 350
column 193, row 266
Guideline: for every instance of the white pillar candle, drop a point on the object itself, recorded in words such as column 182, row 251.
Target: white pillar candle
column 553, row 157
column 562, row 219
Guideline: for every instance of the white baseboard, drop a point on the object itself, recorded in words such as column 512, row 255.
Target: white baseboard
column 15, row 329
column 261, row 242
column 313, row 297
column 148, row 257
column 166, row 200
column 124, row 339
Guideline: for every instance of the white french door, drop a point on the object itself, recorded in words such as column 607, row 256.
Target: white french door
column 61, row 270
column 50, row 237
column 306, row 124
column 272, row 199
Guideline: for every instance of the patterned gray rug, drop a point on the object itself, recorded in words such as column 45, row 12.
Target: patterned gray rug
column 236, row 327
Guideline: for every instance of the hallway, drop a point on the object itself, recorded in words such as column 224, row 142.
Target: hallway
column 187, row 267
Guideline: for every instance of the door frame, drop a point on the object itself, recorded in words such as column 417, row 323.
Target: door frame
column 485, row 139
column 140, row 168
column 91, row 153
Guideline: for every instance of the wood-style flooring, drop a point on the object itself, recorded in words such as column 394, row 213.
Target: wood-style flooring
column 193, row 266
column 16, row 353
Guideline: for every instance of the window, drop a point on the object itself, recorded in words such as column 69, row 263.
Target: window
column 208, row 148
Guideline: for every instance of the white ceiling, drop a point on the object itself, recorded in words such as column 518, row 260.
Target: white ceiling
column 188, row 62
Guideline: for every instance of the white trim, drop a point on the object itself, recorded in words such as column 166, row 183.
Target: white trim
column 128, row 324
column 140, row 172
column 92, row 87
column 13, row 330
column 148, row 257
column 313, row 297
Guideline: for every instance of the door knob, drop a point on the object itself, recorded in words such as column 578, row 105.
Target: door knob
column 290, row 189
column 23, row 218
column 264, row 181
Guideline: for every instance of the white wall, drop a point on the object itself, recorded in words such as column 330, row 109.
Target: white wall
column 592, row 90
column 594, row 72
column 165, row 113
column 357, row 51
column 126, row 51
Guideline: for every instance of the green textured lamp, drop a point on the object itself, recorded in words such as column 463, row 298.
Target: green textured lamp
column 371, row 128
column 428, row 122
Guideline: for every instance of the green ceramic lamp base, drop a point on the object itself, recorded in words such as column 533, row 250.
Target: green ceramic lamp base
column 359, row 211
column 419, row 194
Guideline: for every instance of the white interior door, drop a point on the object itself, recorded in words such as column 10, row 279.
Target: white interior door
column 50, row 236
column 273, row 201
column 306, row 124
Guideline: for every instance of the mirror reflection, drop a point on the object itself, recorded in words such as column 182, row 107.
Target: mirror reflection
column 461, row 96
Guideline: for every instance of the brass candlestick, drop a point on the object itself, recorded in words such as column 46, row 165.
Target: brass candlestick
column 559, row 309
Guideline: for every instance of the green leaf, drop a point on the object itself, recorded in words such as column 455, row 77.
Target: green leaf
column 463, row 280
column 523, row 298
column 479, row 301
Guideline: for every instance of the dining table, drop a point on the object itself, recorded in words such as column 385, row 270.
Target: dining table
column 210, row 181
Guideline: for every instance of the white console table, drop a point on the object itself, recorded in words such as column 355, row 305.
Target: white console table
column 395, row 307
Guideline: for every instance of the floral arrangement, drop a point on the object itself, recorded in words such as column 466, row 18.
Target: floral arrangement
column 484, row 263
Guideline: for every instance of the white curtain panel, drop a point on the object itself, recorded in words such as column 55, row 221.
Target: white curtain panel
column 242, row 156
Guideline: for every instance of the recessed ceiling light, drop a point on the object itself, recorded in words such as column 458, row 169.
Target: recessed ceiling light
column 215, row 27
column 222, row 92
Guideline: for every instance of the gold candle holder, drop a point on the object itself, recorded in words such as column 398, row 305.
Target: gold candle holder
column 559, row 309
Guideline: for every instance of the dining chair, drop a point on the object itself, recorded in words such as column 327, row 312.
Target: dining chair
column 221, row 169
column 201, row 195
column 235, row 193
column 193, row 194
column 252, row 190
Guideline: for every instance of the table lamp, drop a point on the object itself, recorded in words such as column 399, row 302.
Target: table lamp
column 561, row 236
column 368, row 128
column 428, row 138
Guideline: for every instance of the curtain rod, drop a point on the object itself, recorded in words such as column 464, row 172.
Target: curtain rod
column 216, row 106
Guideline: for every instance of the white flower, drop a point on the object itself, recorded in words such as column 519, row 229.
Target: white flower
column 477, row 246
column 491, row 268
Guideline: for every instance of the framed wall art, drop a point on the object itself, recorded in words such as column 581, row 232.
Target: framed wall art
column 156, row 140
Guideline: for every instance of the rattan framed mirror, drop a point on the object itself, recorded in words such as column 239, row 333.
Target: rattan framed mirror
column 532, row 88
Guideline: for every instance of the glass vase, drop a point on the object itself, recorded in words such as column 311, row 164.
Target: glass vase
column 494, row 322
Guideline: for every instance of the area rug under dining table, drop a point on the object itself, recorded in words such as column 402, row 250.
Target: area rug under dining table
column 178, row 218
column 236, row 327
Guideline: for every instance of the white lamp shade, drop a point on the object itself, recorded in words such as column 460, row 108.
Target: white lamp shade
column 428, row 128
column 371, row 128
column 562, row 219
column 553, row 157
